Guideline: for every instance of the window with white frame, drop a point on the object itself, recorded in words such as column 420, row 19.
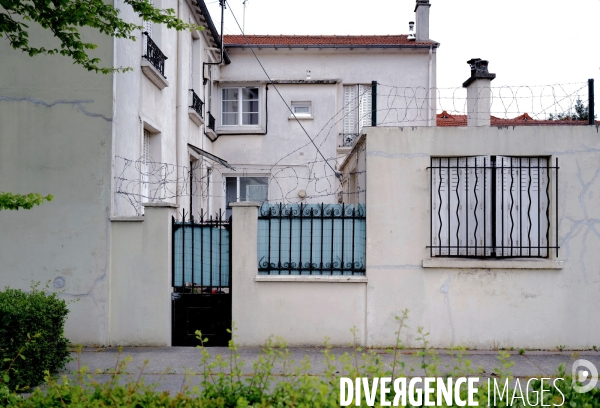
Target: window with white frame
column 302, row 110
column 357, row 111
column 240, row 106
column 246, row 189
column 490, row 206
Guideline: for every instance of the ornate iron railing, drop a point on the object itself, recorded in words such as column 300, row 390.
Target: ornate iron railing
column 196, row 103
column 493, row 206
column 348, row 139
column 211, row 121
column 311, row 239
column 155, row 55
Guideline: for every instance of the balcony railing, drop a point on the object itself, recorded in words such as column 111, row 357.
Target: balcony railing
column 155, row 55
column 196, row 103
column 348, row 139
column 211, row 121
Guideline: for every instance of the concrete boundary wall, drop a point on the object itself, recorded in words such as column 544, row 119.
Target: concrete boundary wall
column 302, row 310
column 140, row 281
column 482, row 304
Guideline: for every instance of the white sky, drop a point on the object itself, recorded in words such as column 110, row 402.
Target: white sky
column 528, row 42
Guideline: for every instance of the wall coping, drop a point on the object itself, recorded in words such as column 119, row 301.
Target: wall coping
column 160, row 204
column 518, row 263
column 245, row 204
column 311, row 278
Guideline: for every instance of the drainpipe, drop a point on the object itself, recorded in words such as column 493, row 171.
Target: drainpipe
column 429, row 105
column 179, row 112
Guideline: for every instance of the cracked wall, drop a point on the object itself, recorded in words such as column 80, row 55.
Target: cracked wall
column 55, row 138
column 484, row 305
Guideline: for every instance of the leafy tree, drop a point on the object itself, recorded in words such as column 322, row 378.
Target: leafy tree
column 10, row 201
column 577, row 112
column 63, row 18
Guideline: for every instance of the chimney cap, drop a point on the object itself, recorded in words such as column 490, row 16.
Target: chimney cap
column 479, row 70
column 422, row 3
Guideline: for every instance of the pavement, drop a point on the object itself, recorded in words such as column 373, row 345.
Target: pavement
column 175, row 367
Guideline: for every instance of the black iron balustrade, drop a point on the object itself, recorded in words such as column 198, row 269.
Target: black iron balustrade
column 348, row 139
column 312, row 239
column 196, row 103
column 155, row 55
column 211, row 121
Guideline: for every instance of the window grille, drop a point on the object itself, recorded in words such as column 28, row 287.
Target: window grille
column 491, row 206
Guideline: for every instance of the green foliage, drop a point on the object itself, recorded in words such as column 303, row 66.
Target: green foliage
column 577, row 112
column 31, row 336
column 63, row 19
column 277, row 381
column 10, row 201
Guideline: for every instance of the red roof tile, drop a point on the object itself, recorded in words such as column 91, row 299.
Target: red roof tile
column 445, row 119
column 331, row 40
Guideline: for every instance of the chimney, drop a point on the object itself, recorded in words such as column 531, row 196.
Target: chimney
column 479, row 94
column 422, row 17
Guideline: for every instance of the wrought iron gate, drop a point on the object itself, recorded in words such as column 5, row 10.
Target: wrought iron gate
column 201, row 297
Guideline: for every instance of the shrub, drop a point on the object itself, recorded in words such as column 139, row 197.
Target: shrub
column 35, row 320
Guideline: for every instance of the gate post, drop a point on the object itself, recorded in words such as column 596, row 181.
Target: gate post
column 244, row 268
column 140, row 281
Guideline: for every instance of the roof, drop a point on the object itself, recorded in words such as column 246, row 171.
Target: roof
column 203, row 10
column 445, row 119
column 325, row 41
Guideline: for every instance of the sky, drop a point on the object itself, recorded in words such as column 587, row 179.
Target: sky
column 527, row 42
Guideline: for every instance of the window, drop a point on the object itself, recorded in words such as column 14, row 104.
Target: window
column 490, row 206
column 357, row 111
column 240, row 106
column 246, row 189
column 302, row 110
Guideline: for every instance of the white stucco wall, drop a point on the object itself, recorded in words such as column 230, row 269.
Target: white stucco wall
column 285, row 151
column 491, row 304
column 55, row 138
column 304, row 311
column 140, row 104
column 140, row 285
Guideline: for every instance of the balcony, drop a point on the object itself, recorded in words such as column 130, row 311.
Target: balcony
column 153, row 63
column 195, row 108
column 210, row 128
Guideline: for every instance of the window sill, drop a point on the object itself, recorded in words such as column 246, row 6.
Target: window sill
column 153, row 75
column 311, row 278
column 197, row 119
column 519, row 263
column 301, row 117
column 240, row 130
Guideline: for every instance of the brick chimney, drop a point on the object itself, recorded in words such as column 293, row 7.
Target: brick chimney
column 479, row 94
column 422, row 18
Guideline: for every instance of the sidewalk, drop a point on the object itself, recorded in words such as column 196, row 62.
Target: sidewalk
column 168, row 365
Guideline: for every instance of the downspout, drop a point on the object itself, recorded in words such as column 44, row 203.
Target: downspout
column 222, row 3
column 429, row 104
column 179, row 124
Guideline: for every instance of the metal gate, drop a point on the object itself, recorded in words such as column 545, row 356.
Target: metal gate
column 201, row 297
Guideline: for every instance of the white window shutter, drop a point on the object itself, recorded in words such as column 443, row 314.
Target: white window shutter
column 145, row 167
column 350, row 109
column 461, row 216
column 364, row 111
column 522, row 223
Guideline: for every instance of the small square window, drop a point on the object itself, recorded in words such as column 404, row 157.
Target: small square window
column 302, row 110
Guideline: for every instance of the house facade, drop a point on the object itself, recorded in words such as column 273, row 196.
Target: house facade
column 105, row 146
column 195, row 126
